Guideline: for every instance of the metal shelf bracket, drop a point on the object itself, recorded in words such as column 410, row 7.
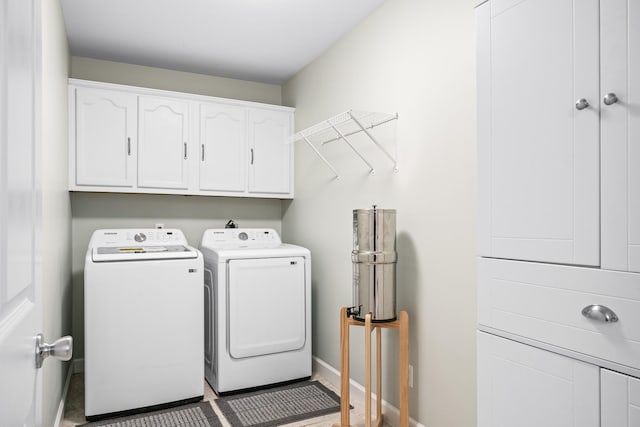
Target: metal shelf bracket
column 343, row 126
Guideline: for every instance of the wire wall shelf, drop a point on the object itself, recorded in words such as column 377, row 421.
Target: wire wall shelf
column 342, row 126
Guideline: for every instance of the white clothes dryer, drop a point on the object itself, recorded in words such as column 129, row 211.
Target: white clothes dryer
column 257, row 309
column 143, row 305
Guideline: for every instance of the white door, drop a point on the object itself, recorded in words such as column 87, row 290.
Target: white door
column 223, row 148
column 266, row 306
column 105, row 138
column 20, row 307
column 620, row 400
column 269, row 151
column 538, row 153
column 520, row 385
column 620, row 71
column 164, row 143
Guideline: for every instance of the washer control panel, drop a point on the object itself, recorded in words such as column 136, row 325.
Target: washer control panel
column 241, row 238
column 140, row 236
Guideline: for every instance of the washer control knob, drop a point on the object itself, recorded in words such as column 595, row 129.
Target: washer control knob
column 243, row 236
column 140, row 237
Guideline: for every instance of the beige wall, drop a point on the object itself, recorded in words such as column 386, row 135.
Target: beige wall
column 414, row 57
column 191, row 214
column 56, row 209
column 158, row 78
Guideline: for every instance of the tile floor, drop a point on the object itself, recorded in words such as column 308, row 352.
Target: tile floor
column 74, row 409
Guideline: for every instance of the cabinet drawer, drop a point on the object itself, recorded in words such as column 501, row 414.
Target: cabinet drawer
column 544, row 302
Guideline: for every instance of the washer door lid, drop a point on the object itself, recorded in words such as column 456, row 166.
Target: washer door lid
column 267, row 306
column 141, row 253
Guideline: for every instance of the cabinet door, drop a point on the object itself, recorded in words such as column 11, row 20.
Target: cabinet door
column 270, row 152
column 538, row 154
column 163, row 150
column 620, row 74
column 520, row 385
column 223, row 148
column 105, row 138
column 620, row 400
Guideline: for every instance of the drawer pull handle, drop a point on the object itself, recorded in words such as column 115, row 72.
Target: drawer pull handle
column 599, row 312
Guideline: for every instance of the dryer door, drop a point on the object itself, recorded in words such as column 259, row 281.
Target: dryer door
column 266, row 306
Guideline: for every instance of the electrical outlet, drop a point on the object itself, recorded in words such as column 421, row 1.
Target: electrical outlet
column 410, row 376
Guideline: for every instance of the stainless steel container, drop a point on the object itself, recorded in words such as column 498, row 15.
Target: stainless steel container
column 374, row 260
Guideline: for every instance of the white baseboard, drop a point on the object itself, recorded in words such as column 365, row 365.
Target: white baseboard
column 356, row 390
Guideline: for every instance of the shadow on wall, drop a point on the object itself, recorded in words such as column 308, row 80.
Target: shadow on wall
column 407, row 298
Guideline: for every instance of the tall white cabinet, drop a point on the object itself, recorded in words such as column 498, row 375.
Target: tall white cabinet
column 527, row 387
column 620, row 131
column 559, row 211
column 621, row 400
column 138, row 140
column 539, row 156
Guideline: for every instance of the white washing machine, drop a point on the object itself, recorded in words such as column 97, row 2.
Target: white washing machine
column 143, row 305
column 257, row 309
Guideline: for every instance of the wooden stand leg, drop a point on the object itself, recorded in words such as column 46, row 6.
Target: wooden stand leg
column 344, row 369
column 378, row 377
column 403, row 324
column 404, row 369
column 367, row 370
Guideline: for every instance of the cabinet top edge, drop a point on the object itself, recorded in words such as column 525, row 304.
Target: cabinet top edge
column 138, row 90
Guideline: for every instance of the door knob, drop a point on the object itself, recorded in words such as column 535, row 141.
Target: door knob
column 581, row 104
column 610, row 98
column 599, row 312
column 61, row 349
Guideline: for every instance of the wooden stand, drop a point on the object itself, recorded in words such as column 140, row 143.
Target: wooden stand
column 402, row 323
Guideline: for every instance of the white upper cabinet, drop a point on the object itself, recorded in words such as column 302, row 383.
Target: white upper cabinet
column 539, row 155
column 620, row 129
column 270, row 151
column 223, row 148
column 163, row 146
column 559, row 131
column 139, row 140
column 103, row 138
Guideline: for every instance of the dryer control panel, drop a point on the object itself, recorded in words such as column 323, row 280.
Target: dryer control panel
column 241, row 238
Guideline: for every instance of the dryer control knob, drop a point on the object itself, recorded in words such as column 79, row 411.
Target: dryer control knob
column 243, row 236
column 140, row 237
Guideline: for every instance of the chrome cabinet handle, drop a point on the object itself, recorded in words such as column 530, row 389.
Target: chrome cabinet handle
column 252, row 156
column 185, row 151
column 128, row 146
column 610, row 98
column 599, row 312
column 61, row 349
column 581, row 104
column 203, row 152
